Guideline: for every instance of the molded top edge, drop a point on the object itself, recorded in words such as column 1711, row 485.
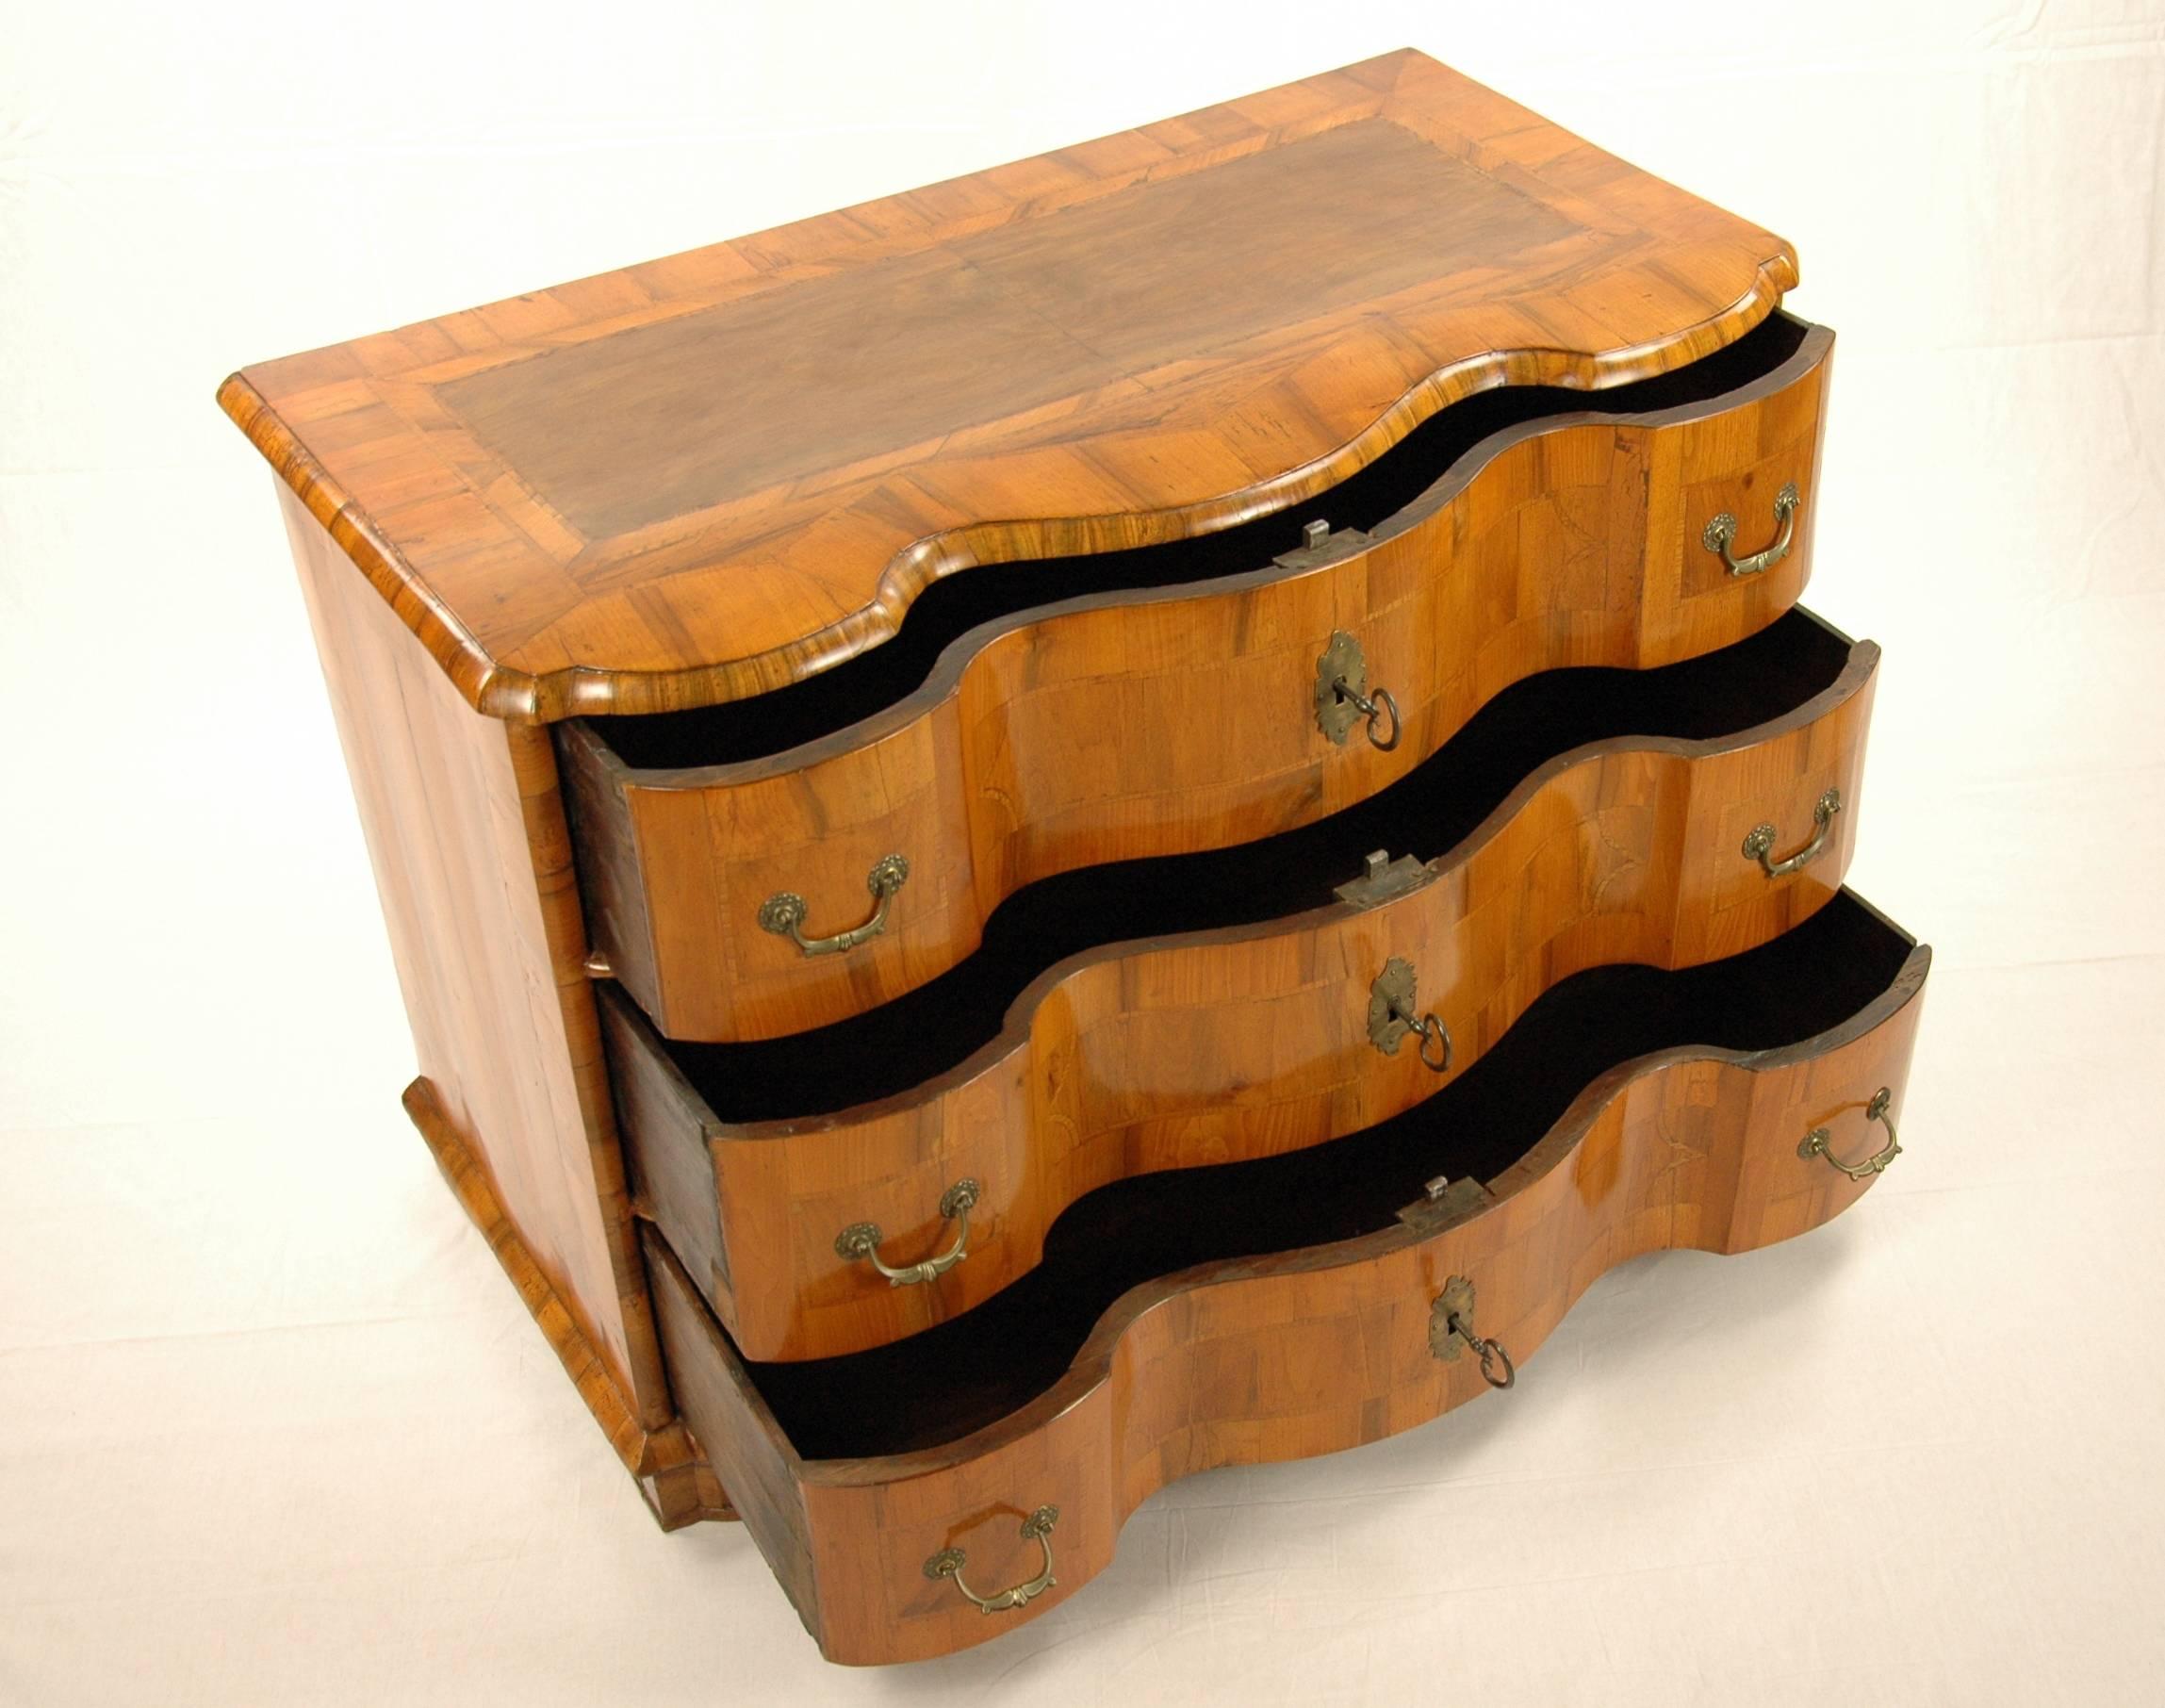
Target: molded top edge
column 703, row 477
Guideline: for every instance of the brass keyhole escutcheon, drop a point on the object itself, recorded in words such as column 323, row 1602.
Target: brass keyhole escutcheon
column 1450, row 1333
column 1394, row 1012
column 1342, row 697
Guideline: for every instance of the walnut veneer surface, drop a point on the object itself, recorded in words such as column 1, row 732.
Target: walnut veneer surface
column 1305, row 1351
column 1570, row 540
column 473, row 867
column 701, row 477
column 1174, row 1052
column 1011, row 526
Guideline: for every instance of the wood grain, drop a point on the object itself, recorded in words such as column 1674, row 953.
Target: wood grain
column 472, row 859
column 697, row 479
column 1177, row 1052
column 1298, row 1353
column 1566, row 541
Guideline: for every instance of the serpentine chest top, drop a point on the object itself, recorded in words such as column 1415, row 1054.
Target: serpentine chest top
column 922, row 766
column 702, row 477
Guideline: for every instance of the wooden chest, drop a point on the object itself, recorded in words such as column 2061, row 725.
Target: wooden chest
column 1121, row 815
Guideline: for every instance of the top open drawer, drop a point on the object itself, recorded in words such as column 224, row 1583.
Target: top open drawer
column 771, row 864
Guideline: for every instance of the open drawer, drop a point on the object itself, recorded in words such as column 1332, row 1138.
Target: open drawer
column 1309, row 1302
column 778, row 863
column 838, row 1189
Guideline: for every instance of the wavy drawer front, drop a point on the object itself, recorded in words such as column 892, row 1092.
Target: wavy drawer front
column 1306, row 1350
column 1139, row 1057
column 1158, row 721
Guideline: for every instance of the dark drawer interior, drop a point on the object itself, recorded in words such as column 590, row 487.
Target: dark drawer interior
column 945, row 1381
column 892, row 1047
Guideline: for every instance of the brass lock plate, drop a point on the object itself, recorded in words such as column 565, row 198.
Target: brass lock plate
column 1385, row 880
column 1320, row 545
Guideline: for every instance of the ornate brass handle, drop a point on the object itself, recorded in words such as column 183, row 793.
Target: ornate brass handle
column 1817, row 1142
column 1450, row 1332
column 783, row 915
column 1392, row 1014
column 1758, row 844
column 1038, row 1527
column 862, row 1240
column 1343, row 694
column 1721, row 533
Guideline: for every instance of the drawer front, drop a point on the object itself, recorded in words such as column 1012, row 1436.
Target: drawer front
column 1155, row 722
column 1300, row 1353
column 1237, row 1043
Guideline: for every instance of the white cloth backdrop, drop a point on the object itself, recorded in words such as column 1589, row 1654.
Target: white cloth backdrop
column 273, row 1425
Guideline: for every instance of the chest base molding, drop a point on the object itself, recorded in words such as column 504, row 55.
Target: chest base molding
column 674, row 1478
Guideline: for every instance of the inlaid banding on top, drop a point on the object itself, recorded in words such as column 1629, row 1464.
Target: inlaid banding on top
column 810, row 378
column 702, row 478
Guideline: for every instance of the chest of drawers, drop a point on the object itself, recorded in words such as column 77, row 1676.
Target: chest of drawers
column 1121, row 815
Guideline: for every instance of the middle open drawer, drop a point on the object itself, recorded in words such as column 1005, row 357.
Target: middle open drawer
column 838, row 1189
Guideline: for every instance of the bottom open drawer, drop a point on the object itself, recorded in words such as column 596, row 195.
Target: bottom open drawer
column 1308, row 1302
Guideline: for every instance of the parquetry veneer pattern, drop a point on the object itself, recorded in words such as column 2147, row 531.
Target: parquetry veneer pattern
column 1566, row 540
column 696, row 551
column 1305, row 1351
column 1020, row 544
column 1177, row 1052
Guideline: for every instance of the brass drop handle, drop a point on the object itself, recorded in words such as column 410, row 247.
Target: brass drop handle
column 861, row 1239
column 1037, row 1528
column 783, row 915
column 1343, row 694
column 1721, row 533
column 1450, row 1332
column 1758, row 844
column 1817, row 1142
column 1393, row 1013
